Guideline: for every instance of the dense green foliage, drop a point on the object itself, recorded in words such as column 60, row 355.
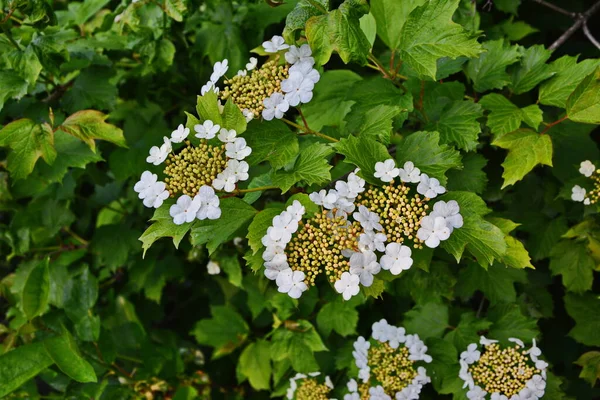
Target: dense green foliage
column 102, row 298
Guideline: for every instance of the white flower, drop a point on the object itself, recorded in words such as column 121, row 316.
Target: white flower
column 534, row 352
column 159, row 154
column 322, row 198
column 209, row 86
column 421, row 377
column 225, row 181
column 498, row 396
column 470, row 355
column 352, row 386
column 537, row 383
column 184, row 210
column 219, row 69
column 433, row 230
column 180, row 134
column 377, row 393
column 465, row 375
column 227, row 135
column 275, row 44
column 361, row 351
column 238, row 149
column 352, row 396
column 417, row 349
column 578, row 193
column 213, row 268
column 587, row 202
column 146, row 183
column 291, row 282
column 380, row 330
column 242, row 72
column 386, row 171
column 284, row 225
column 367, row 219
column 395, row 336
column 305, row 68
column 252, row 64
column 476, row 393
column 352, row 188
column 517, row 341
column 485, row 341
column 365, row 265
column 347, row 285
column 328, row 382
column 397, row 258
column 587, row 168
column 239, row 169
column 297, row 89
column 296, row 54
column 207, row 130
column 364, row 374
column 430, row 187
column 296, row 209
column 209, row 203
column 541, row 365
column 409, row 173
column 450, row 212
column 275, row 106
column 275, row 267
column 156, row 196
column 272, row 250
column 343, row 206
column 371, row 241
column 249, row 115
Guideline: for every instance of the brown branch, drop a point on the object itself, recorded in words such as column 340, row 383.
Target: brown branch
column 557, row 8
column 589, row 35
column 550, row 125
column 580, row 20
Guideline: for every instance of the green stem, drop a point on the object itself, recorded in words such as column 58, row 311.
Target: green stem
column 309, row 131
column 76, row 236
column 384, row 71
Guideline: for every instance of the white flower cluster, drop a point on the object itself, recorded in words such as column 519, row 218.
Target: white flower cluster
column 297, row 88
column 394, row 337
column 294, row 385
column 534, row 388
column 586, row 168
column 277, row 237
column 206, row 203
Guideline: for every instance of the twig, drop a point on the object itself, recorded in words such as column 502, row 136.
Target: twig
column 580, row 20
column 550, row 125
column 557, row 8
column 309, row 131
column 588, row 34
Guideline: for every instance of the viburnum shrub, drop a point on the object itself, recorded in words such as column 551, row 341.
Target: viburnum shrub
column 309, row 199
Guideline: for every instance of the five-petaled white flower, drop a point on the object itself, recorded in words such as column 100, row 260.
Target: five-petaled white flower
column 145, row 185
column 377, row 393
column 380, row 330
column 347, row 285
column 252, row 63
column 485, row 341
column 159, row 154
column 323, row 198
column 450, row 212
column 227, row 135
column 477, row 393
column 219, row 69
column 430, row 187
column 586, row 168
column 284, row 225
column 386, row 171
column 207, row 130
column 213, row 268
column 578, row 193
column 297, row 89
column 409, row 173
column 249, row 115
column 237, row 149
column 180, row 134
column 298, row 54
column 367, row 219
column 225, row 181
column 155, row 197
column 433, row 230
column 184, row 210
column 242, row 72
column 352, row 386
column 365, row 265
column 470, row 355
column 209, row 86
column 209, row 203
column 274, row 267
column 292, row 283
column 397, row 258
column 372, row 241
column 275, row 106
column 239, row 169
column 275, row 44
column 305, row 68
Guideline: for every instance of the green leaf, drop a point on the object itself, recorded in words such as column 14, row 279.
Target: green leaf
column 311, row 167
column 467, row 330
column 391, row 16
column 207, row 107
column 331, row 93
column 297, row 341
column 235, row 215
column 567, row 75
column 258, row 227
column 151, row 276
column 26, row 64
column 426, row 152
column 163, row 226
column 472, row 178
column 22, row 364
column 81, row 12
column 458, row 125
column 532, row 69
column 339, row 316
column 232, row 118
column 339, row 30
column 526, row 149
column 583, row 105
column 489, row 70
column 255, row 364
column 572, row 260
column 89, row 125
column 92, row 89
column 80, row 295
column 585, row 310
column 508, row 6
column 364, row 153
column 296, row 19
column 28, row 141
column 64, row 352
column 590, row 363
column 430, row 34
column 369, row 27
column 505, row 117
column 36, row 290
column 375, row 290
column 497, row 282
column 231, row 265
column 175, row 9
column 516, row 30
column 508, row 322
column 273, row 142
column 12, row 86
column 114, row 245
column 516, row 255
column 429, row 320
column 225, row 331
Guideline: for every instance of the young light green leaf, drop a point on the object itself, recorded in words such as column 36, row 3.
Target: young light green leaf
column 22, row 364
column 364, row 153
column 64, row 352
column 36, row 290
column 532, row 69
column 369, row 27
column 488, row 71
column 255, row 364
column 391, row 16
column 583, row 105
column 89, row 125
column 232, row 118
column 311, row 167
column 505, row 117
column 296, row 19
column 163, row 226
column 590, row 363
column 175, row 9
column 339, row 316
column 207, row 107
column 12, row 85
column 258, row 227
column 567, row 75
column 526, row 149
